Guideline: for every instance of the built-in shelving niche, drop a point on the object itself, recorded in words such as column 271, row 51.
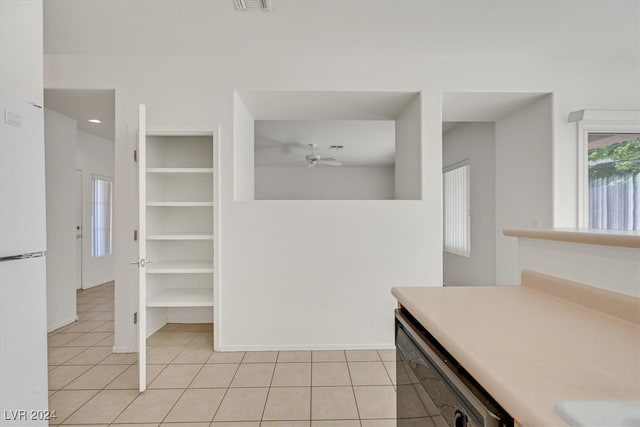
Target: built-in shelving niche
column 179, row 229
column 177, row 180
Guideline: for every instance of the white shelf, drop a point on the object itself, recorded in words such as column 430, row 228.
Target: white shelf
column 181, row 204
column 181, row 298
column 180, row 267
column 179, row 171
column 179, row 132
column 180, row 236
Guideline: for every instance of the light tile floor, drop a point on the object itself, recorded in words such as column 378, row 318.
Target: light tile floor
column 190, row 385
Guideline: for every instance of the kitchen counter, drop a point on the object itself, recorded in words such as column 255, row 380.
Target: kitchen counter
column 531, row 347
column 620, row 238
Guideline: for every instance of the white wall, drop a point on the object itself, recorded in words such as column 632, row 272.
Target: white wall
column 362, row 247
column 408, row 171
column 324, row 183
column 606, row 267
column 94, row 155
column 60, row 165
column 524, row 179
column 243, row 159
column 21, row 50
column 474, row 142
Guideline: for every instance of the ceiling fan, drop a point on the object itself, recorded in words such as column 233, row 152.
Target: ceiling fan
column 313, row 159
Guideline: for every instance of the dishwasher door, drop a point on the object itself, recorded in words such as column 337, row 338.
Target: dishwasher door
column 430, row 387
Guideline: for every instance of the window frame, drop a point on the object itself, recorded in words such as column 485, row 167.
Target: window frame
column 462, row 164
column 597, row 121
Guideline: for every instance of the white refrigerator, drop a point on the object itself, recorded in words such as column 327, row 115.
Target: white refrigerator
column 23, row 292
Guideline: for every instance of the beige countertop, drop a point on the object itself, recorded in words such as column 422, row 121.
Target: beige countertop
column 621, row 238
column 530, row 349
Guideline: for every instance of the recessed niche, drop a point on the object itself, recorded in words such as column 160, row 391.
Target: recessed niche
column 327, row 146
column 324, row 159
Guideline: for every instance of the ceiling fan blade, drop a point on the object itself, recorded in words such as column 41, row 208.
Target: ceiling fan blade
column 294, row 163
column 329, row 162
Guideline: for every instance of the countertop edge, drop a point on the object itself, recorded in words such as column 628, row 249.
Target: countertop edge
column 579, row 235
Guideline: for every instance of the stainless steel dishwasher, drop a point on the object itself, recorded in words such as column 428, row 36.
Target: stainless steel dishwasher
column 433, row 389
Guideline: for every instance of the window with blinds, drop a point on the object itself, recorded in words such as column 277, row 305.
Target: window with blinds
column 613, row 161
column 101, row 216
column 456, row 212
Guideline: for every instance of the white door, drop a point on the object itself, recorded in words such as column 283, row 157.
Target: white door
column 142, row 249
column 79, row 229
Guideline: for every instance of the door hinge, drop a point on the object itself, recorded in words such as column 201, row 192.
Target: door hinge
column 135, row 155
column 135, row 318
column 135, row 235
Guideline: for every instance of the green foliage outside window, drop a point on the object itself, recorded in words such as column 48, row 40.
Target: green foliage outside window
column 615, row 160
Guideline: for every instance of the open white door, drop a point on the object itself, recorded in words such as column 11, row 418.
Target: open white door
column 79, row 229
column 142, row 249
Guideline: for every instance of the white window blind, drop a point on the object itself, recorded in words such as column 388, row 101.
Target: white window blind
column 613, row 162
column 455, row 181
column 101, row 216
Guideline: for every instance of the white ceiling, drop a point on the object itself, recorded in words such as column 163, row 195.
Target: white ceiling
column 472, row 29
column 82, row 105
column 284, row 142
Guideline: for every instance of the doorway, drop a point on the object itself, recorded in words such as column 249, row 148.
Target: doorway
column 79, row 142
column 505, row 139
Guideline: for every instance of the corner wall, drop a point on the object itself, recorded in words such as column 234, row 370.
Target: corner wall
column 60, row 163
column 243, row 146
column 408, row 171
column 524, row 179
column 474, row 142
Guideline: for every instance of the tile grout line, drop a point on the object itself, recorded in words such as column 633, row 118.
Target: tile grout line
column 92, row 366
column 190, row 382
column 388, row 374
column 273, row 373
column 227, row 388
column 183, row 391
column 353, row 390
column 311, row 392
column 81, row 406
column 132, row 400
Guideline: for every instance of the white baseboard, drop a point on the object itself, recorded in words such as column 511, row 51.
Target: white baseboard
column 385, row 346
column 122, row 349
column 61, row 324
